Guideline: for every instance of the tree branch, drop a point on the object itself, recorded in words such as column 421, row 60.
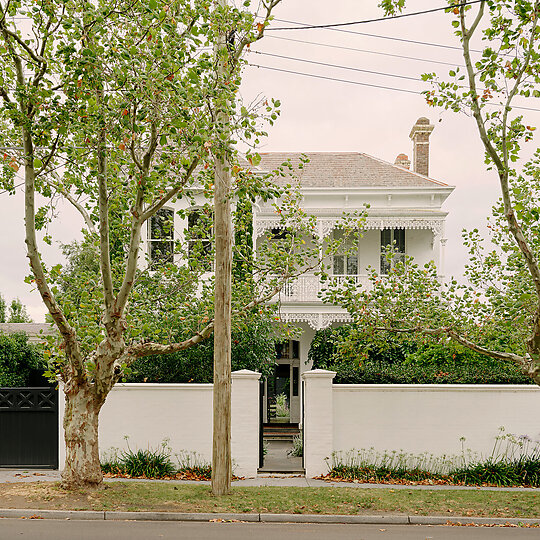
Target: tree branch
column 247, row 41
column 35, row 57
column 526, row 363
column 52, row 152
column 103, row 204
column 87, row 219
column 77, row 371
column 136, row 224
column 502, row 164
column 4, row 95
column 153, row 349
column 160, row 203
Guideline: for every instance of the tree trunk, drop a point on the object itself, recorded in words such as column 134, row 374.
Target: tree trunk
column 82, row 468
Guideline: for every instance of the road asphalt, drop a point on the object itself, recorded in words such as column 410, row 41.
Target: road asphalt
column 129, row 530
column 27, row 475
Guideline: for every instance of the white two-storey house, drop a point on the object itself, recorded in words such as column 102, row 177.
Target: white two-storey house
column 405, row 209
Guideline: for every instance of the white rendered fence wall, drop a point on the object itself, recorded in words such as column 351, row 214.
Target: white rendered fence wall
column 181, row 413
column 432, row 418
column 412, row 418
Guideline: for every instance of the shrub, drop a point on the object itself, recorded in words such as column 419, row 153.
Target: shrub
column 147, row 463
column 19, row 360
column 400, row 360
column 155, row 463
column 297, row 449
column 141, row 463
column 252, row 348
column 514, row 461
column 282, row 408
column 191, row 464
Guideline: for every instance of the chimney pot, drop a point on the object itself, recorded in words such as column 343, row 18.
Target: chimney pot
column 402, row 160
column 419, row 135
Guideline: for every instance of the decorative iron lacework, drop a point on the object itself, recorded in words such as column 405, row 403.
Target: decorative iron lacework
column 326, row 225
column 16, row 399
column 317, row 321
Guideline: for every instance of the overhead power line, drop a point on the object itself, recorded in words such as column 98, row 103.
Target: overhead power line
column 336, row 79
column 349, row 68
column 391, row 38
column 355, row 49
column 14, row 187
column 359, row 83
column 366, row 21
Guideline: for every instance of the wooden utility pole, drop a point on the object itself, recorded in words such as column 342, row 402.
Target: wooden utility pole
column 221, row 452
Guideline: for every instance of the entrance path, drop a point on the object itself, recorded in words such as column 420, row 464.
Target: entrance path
column 264, row 479
column 277, row 458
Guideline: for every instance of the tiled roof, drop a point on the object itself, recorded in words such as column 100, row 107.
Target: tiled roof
column 346, row 169
column 35, row 331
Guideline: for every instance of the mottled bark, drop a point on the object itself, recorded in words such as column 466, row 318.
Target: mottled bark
column 82, row 468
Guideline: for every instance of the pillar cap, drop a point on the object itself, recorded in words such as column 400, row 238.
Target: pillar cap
column 319, row 373
column 245, row 374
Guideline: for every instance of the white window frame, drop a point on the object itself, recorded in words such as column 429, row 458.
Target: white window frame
column 167, row 238
column 348, row 262
column 206, row 242
column 397, row 239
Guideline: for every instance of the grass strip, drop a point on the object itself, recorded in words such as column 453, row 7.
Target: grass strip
column 134, row 496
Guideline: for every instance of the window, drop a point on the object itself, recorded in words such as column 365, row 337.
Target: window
column 396, row 239
column 161, row 237
column 345, row 264
column 289, row 350
column 199, row 236
column 279, row 234
column 295, row 378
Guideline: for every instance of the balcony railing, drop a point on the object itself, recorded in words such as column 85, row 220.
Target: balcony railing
column 306, row 288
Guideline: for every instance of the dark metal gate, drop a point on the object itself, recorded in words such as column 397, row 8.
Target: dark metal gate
column 29, row 428
column 261, row 423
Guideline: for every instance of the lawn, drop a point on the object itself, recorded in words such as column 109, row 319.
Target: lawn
column 133, row 496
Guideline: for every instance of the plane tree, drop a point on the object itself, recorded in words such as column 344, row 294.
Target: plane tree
column 497, row 312
column 119, row 108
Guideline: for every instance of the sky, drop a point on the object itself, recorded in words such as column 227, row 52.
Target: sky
column 319, row 114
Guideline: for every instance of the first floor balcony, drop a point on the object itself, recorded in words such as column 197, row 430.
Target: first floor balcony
column 307, row 288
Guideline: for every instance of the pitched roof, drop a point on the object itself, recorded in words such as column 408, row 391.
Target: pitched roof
column 347, row 169
column 36, row 332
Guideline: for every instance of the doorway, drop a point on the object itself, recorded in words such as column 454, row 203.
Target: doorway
column 280, row 412
column 282, row 387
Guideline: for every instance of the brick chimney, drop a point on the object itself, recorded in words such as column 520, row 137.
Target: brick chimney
column 403, row 161
column 420, row 133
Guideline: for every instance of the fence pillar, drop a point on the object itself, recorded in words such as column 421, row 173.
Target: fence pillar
column 245, row 422
column 318, row 420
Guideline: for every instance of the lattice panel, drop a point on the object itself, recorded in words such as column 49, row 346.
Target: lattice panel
column 28, row 399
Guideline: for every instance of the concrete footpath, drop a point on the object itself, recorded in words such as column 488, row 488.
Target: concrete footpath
column 283, row 480
column 12, row 476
